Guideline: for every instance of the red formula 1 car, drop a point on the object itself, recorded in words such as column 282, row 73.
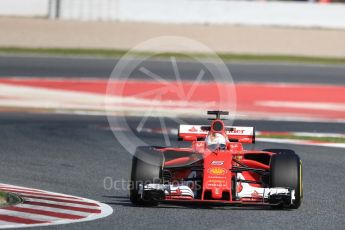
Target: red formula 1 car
column 216, row 170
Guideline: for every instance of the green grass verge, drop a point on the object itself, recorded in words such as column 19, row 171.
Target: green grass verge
column 7, row 199
column 307, row 138
column 3, row 197
column 119, row 53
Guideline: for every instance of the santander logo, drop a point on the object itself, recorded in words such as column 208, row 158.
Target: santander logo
column 193, row 129
column 237, row 131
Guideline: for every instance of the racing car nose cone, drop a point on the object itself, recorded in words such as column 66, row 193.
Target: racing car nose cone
column 217, row 193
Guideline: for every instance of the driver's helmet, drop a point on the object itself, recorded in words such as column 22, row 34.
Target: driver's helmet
column 216, row 141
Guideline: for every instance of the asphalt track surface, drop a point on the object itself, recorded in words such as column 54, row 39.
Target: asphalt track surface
column 31, row 66
column 74, row 154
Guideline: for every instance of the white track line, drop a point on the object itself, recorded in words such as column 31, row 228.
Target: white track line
column 56, row 202
column 303, row 105
column 59, row 210
column 300, row 142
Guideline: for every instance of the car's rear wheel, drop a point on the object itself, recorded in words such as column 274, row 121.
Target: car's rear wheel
column 146, row 168
column 286, row 171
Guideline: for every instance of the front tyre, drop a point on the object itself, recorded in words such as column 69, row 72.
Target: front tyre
column 147, row 166
column 286, row 171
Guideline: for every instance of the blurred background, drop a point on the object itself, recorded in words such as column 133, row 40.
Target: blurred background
column 245, row 27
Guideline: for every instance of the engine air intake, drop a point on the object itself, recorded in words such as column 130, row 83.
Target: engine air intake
column 217, row 126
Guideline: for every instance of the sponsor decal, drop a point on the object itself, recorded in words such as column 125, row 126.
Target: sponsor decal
column 217, row 163
column 193, row 129
column 217, row 183
column 255, row 194
column 217, row 171
column 216, row 177
column 178, row 191
column 237, row 131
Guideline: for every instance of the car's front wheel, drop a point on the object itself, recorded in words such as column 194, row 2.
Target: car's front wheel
column 146, row 168
column 286, row 171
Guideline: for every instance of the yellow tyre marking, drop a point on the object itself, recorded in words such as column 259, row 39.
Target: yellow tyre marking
column 300, row 180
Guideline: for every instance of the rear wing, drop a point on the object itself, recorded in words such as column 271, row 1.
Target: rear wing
column 199, row 132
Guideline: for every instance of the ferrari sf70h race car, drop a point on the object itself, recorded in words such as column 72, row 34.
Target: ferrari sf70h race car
column 216, row 169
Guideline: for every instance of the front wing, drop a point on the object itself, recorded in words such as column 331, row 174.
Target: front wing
column 168, row 193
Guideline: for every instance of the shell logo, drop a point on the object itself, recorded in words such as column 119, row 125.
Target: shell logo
column 217, row 171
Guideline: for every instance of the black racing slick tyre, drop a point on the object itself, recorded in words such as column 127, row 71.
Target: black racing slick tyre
column 286, row 171
column 147, row 166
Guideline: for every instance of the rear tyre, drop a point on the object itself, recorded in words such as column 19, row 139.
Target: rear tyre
column 286, row 171
column 147, row 166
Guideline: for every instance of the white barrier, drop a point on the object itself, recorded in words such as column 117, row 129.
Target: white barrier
column 31, row 8
column 295, row 14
